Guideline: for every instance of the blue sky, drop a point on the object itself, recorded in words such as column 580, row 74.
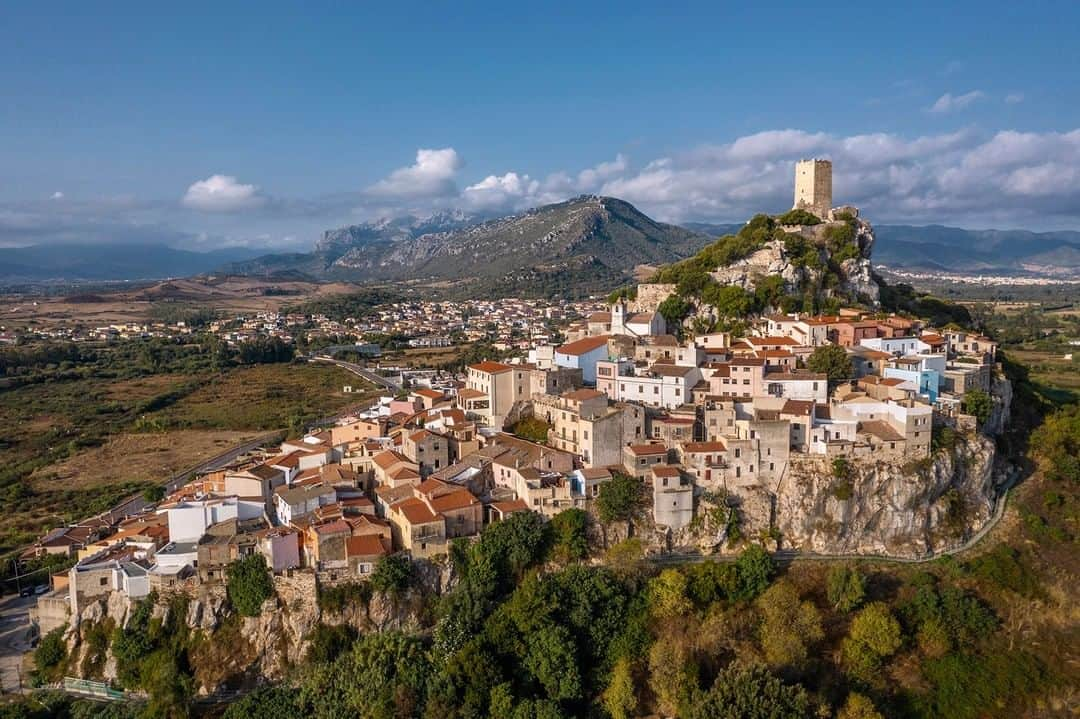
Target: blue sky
column 265, row 123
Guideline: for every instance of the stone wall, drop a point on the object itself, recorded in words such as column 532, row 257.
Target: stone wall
column 649, row 297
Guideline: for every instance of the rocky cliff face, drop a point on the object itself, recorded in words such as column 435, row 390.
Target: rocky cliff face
column 902, row 509
column 856, row 280
column 230, row 650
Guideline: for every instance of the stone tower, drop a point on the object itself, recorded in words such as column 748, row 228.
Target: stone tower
column 813, row 187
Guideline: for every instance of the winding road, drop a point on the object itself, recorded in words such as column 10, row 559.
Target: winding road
column 14, row 629
column 361, row 371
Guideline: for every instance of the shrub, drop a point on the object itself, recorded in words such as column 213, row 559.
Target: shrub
column 977, row 403
column 798, row 216
column 532, row 429
column 570, row 538
column 756, row 569
column 50, row 651
column 249, row 584
column 750, row 692
column 846, row 588
column 392, row 575
column 621, row 499
column 875, row 634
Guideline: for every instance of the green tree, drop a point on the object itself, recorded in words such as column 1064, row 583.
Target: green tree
column 846, row 588
column 50, row 651
column 755, row 570
column 532, row 429
column 394, row 668
column 551, row 658
column 833, row 361
column 619, row 698
column 978, row 404
column 874, row 635
column 273, row 702
column 667, row 595
column 674, row 310
column 154, row 494
column 570, row 534
column 789, row 626
column 750, row 692
column 730, row 301
column 392, row 575
column 672, row 675
column 858, row 706
column 249, row 584
column 621, row 499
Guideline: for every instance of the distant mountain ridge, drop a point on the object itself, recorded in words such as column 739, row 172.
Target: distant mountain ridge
column 951, row 249
column 582, row 243
column 601, row 238
column 45, row 263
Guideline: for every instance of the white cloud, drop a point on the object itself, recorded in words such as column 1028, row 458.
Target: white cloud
column 500, row 192
column 1014, row 98
column 432, row 175
column 222, row 193
column 57, row 195
column 951, row 103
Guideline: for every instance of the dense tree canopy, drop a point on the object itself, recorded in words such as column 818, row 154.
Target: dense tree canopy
column 833, row 361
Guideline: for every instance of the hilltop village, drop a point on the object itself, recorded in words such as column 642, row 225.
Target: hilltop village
column 722, row 434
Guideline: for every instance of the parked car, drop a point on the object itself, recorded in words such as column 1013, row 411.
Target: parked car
column 41, row 589
column 26, row 592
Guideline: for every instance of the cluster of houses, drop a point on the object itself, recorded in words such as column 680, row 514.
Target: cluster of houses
column 417, row 471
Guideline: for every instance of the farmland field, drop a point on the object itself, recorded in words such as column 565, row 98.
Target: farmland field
column 76, row 443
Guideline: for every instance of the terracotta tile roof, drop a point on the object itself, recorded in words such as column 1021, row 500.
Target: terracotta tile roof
column 430, row 393
column 289, row 460
column 469, row 393
column 415, row 511
column 583, row 346
column 388, row 458
column 366, row 545
column 511, row 506
column 491, row 367
column 665, row 470
column 580, row 395
column 457, row 499
column 699, row 447
column 881, row 430
column 772, row 340
column 647, row 449
column 420, row 436
column 596, row 473
column 800, row 407
column 670, row 370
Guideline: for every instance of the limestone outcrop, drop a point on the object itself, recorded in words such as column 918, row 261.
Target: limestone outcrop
column 856, row 280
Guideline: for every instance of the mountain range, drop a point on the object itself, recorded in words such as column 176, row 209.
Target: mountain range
column 599, row 239
column 107, row 262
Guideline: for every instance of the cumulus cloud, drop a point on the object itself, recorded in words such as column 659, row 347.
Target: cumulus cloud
column 432, row 175
column 57, row 195
column 222, row 193
column 1008, row 178
column 951, row 103
column 1014, row 98
column 500, row 192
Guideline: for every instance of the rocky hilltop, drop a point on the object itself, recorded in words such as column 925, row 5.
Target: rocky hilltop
column 842, row 246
